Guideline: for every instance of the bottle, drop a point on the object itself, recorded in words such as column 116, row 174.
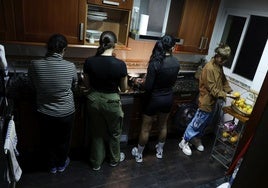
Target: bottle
column 91, row 40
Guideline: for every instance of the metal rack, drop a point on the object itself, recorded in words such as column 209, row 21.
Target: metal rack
column 224, row 148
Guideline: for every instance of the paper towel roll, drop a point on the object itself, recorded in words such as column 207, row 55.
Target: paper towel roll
column 143, row 24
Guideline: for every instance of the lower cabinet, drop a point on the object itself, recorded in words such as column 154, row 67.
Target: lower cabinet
column 28, row 130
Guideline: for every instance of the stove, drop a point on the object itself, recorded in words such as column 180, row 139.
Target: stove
column 186, row 84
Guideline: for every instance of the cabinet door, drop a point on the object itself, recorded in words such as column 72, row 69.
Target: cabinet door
column 122, row 4
column 7, row 28
column 36, row 21
column 197, row 25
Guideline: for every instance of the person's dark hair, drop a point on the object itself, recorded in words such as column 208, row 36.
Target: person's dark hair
column 107, row 41
column 56, row 44
column 161, row 47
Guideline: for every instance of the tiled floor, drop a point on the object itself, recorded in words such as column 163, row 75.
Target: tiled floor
column 174, row 170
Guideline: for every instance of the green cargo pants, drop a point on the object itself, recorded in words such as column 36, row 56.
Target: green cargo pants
column 105, row 117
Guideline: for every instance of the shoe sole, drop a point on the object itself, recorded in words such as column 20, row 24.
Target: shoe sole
column 159, row 157
column 96, row 169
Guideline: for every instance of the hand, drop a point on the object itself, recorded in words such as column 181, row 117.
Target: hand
column 231, row 96
column 138, row 81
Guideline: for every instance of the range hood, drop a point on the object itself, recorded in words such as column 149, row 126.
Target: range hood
column 160, row 19
column 152, row 36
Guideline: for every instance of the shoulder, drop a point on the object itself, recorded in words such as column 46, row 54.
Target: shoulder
column 209, row 65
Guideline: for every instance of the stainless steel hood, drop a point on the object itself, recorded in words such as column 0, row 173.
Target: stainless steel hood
column 161, row 19
column 152, row 36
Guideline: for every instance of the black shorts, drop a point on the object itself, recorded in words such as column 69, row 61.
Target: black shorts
column 158, row 102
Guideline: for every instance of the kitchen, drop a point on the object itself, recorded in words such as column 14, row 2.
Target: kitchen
column 137, row 63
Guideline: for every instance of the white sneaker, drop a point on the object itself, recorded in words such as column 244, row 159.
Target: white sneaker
column 185, row 147
column 200, row 148
column 197, row 143
column 136, row 154
column 159, row 152
column 122, row 156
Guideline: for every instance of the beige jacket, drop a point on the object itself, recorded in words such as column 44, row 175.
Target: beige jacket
column 212, row 85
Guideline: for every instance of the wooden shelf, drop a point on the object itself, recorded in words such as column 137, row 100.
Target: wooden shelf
column 229, row 110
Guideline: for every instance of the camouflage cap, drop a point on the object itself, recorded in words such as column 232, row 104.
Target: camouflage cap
column 223, row 50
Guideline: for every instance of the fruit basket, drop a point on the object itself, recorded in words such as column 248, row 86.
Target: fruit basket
column 244, row 111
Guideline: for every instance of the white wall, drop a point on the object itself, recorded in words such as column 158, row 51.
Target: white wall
column 256, row 7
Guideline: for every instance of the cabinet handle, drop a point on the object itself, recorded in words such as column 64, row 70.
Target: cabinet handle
column 110, row 3
column 203, row 40
column 81, row 31
column 206, row 42
column 201, row 43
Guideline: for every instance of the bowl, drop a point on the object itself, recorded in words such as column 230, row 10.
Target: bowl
column 239, row 110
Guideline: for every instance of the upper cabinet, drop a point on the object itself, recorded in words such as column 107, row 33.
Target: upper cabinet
column 120, row 4
column 36, row 21
column 196, row 25
column 7, row 27
column 113, row 15
column 191, row 22
column 81, row 21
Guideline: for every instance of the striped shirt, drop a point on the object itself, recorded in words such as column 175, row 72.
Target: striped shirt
column 53, row 79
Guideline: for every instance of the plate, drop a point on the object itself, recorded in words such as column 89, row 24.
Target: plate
column 96, row 13
column 96, row 18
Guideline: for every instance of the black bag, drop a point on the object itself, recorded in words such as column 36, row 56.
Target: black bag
column 184, row 114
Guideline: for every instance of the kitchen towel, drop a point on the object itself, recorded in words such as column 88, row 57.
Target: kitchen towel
column 11, row 150
column 143, row 24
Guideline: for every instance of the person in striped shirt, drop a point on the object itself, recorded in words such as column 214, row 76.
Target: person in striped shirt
column 54, row 80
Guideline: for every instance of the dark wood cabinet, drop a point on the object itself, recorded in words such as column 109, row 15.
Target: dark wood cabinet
column 36, row 21
column 121, row 4
column 135, row 120
column 30, row 21
column 196, row 25
column 7, row 27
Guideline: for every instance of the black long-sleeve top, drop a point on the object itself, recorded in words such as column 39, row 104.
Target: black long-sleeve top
column 162, row 76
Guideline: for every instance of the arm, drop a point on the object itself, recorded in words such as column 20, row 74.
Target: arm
column 211, row 83
column 150, row 77
column 124, row 84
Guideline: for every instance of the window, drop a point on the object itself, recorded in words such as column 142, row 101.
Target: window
column 252, row 48
column 247, row 36
column 232, row 34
